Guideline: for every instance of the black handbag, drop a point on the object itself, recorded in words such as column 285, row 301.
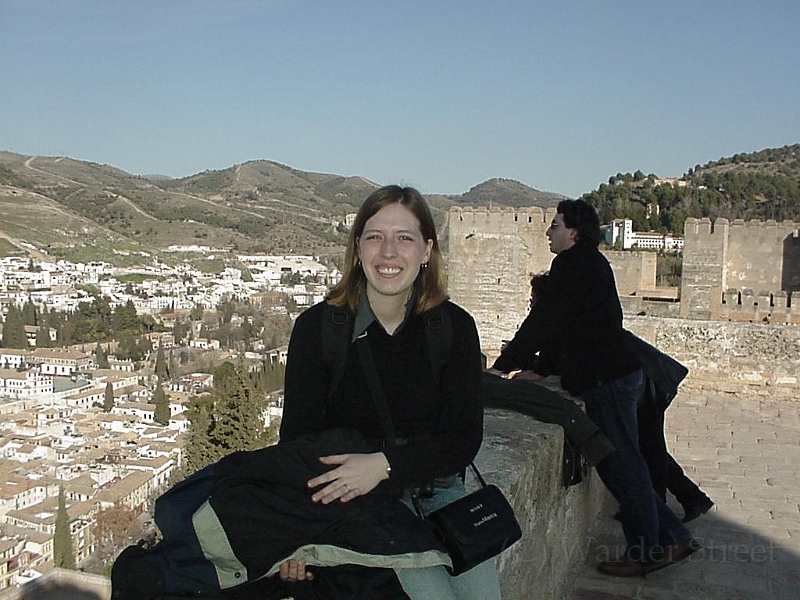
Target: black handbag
column 472, row 529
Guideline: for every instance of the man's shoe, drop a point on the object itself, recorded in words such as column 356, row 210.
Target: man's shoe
column 623, row 567
column 674, row 554
column 697, row 510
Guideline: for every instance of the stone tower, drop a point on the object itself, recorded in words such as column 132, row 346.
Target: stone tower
column 741, row 271
column 491, row 257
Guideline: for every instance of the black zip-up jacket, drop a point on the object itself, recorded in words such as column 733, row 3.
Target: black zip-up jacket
column 578, row 322
column 440, row 417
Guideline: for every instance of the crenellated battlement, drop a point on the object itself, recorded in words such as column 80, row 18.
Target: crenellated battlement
column 723, row 227
column 499, row 219
column 740, row 270
column 744, row 271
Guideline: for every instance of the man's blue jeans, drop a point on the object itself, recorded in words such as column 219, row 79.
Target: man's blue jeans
column 648, row 523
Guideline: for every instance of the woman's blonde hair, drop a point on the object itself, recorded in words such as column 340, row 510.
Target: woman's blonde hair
column 429, row 286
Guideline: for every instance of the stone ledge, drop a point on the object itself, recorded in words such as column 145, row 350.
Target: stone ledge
column 522, row 456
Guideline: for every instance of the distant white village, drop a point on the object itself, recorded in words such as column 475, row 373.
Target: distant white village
column 54, row 433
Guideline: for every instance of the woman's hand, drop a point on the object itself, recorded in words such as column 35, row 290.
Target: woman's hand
column 356, row 475
column 295, row 570
column 529, row 375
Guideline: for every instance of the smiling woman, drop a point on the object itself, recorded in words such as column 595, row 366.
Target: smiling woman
column 391, row 288
column 392, row 251
column 410, row 222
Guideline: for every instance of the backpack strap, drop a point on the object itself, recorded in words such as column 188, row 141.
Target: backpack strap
column 337, row 328
column 439, row 333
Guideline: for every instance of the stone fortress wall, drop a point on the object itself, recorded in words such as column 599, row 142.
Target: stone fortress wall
column 741, row 271
column 733, row 322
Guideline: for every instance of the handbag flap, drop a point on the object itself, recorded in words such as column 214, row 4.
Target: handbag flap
column 482, row 515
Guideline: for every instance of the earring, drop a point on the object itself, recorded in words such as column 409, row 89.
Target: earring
column 424, row 265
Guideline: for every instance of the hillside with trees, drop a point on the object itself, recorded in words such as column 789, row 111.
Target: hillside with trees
column 763, row 185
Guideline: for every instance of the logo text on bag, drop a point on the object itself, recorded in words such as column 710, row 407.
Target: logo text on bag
column 485, row 519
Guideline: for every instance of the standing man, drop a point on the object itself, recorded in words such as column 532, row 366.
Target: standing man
column 578, row 324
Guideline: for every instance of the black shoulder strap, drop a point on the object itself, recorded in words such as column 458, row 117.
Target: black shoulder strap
column 337, row 328
column 439, row 331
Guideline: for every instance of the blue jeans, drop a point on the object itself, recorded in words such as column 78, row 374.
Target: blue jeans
column 647, row 522
column 479, row 583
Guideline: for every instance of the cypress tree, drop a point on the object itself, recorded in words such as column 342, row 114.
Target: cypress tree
column 63, row 555
column 108, row 398
column 161, row 363
column 200, row 449
column 161, row 400
column 238, row 420
column 29, row 315
column 43, row 337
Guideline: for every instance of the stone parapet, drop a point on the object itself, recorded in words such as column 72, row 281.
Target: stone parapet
column 738, row 358
column 523, row 457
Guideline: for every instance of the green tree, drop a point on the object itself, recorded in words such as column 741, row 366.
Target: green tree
column 126, row 348
column 14, row 330
column 201, row 449
column 126, row 319
column 228, row 420
column 29, row 314
column 180, row 330
column 161, row 400
column 101, row 357
column 161, row 363
column 144, row 345
column 63, row 554
column 171, row 368
column 108, row 397
column 43, row 337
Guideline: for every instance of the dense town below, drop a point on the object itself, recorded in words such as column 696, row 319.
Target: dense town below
column 102, row 371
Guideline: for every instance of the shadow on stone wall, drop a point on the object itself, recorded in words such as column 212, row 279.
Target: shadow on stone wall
column 523, row 457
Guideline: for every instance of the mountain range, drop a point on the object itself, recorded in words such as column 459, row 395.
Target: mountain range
column 81, row 211
column 86, row 211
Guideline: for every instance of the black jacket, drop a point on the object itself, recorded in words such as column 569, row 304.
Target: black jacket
column 265, row 507
column 441, row 417
column 578, row 321
column 231, row 525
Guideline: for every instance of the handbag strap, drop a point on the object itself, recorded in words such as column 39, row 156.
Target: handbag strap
column 376, row 389
column 415, row 499
column 378, row 397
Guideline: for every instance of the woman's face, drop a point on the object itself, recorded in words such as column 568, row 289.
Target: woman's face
column 391, row 249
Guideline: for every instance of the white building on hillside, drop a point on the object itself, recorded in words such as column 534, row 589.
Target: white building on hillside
column 622, row 230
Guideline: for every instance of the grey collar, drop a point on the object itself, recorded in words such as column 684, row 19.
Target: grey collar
column 365, row 316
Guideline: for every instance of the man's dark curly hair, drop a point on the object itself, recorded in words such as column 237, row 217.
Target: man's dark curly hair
column 580, row 215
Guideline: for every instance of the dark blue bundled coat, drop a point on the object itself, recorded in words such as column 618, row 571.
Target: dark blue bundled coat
column 236, row 521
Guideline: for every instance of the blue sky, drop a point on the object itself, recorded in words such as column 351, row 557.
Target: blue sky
column 442, row 95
